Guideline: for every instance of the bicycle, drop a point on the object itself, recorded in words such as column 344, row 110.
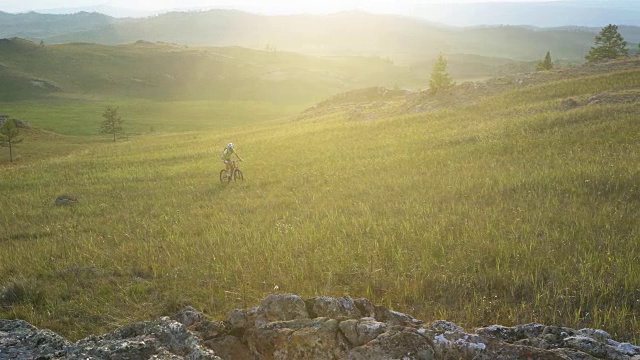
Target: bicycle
column 234, row 173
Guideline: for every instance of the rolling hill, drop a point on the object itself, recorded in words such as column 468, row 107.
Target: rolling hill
column 166, row 71
column 146, row 70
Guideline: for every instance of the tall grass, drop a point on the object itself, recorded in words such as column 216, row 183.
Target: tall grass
column 508, row 211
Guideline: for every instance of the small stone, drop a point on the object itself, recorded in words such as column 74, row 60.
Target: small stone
column 64, row 200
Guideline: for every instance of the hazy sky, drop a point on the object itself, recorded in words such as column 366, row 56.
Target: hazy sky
column 269, row 6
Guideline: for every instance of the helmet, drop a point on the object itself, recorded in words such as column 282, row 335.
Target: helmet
column 230, row 146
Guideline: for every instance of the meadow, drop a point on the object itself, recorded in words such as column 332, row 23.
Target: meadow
column 510, row 210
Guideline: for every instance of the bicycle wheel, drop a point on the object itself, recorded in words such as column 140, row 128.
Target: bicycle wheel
column 237, row 175
column 223, row 177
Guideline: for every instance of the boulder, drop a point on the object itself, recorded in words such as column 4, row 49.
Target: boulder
column 361, row 331
column 397, row 343
column 188, row 316
column 344, row 307
column 281, row 307
column 20, row 340
column 162, row 338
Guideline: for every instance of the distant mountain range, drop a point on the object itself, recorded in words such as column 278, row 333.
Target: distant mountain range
column 399, row 38
column 590, row 13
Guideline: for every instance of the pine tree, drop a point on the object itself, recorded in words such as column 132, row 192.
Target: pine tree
column 112, row 123
column 9, row 136
column 545, row 64
column 609, row 44
column 440, row 78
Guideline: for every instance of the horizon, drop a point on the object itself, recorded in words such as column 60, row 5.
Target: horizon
column 458, row 13
column 277, row 7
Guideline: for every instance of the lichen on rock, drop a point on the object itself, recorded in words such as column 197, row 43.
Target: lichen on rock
column 285, row 326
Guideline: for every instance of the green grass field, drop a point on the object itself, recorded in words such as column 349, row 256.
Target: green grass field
column 511, row 210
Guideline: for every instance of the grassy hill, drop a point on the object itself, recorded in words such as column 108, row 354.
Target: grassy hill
column 516, row 207
column 166, row 71
column 65, row 87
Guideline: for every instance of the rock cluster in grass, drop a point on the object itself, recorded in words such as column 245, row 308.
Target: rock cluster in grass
column 285, row 326
column 19, row 123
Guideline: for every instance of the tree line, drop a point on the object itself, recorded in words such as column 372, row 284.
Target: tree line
column 608, row 44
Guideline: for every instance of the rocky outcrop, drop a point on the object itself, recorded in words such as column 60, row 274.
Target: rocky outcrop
column 162, row 339
column 285, row 326
column 19, row 123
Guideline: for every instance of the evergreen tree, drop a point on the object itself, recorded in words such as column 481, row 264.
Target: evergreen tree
column 440, row 78
column 9, row 136
column 609, row 44
column 112, row 123
column 545, row 64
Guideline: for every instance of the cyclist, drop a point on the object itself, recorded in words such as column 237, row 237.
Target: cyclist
column 226, row 156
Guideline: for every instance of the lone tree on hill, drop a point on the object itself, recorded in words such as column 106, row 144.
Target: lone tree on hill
column 545, row 64
column 609, row 45
column 440, row 78
column 9, row 136
column 112, row 123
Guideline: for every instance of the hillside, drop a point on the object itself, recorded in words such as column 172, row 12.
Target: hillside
column 403, row 39
column 517, row 207
column 84, row 74
column 374, row 103
column 168, row 71
column 64, row 87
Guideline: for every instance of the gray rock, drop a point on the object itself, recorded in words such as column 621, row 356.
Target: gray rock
column 392, row 317
column 281, row 307
column 398, row 343
column 237, row 319
column 20, row 340
column 162, row 337
column 367, row 309
column 297, row 339
column 450, row 341
column 280, row 328
column 210, row 329
column 592, row 346
column 188, row 316
column 63, row 200
column 343, row 307
column 360, row 332
column 229, row 347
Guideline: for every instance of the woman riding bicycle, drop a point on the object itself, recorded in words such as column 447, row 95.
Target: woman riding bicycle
column 226, row 156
